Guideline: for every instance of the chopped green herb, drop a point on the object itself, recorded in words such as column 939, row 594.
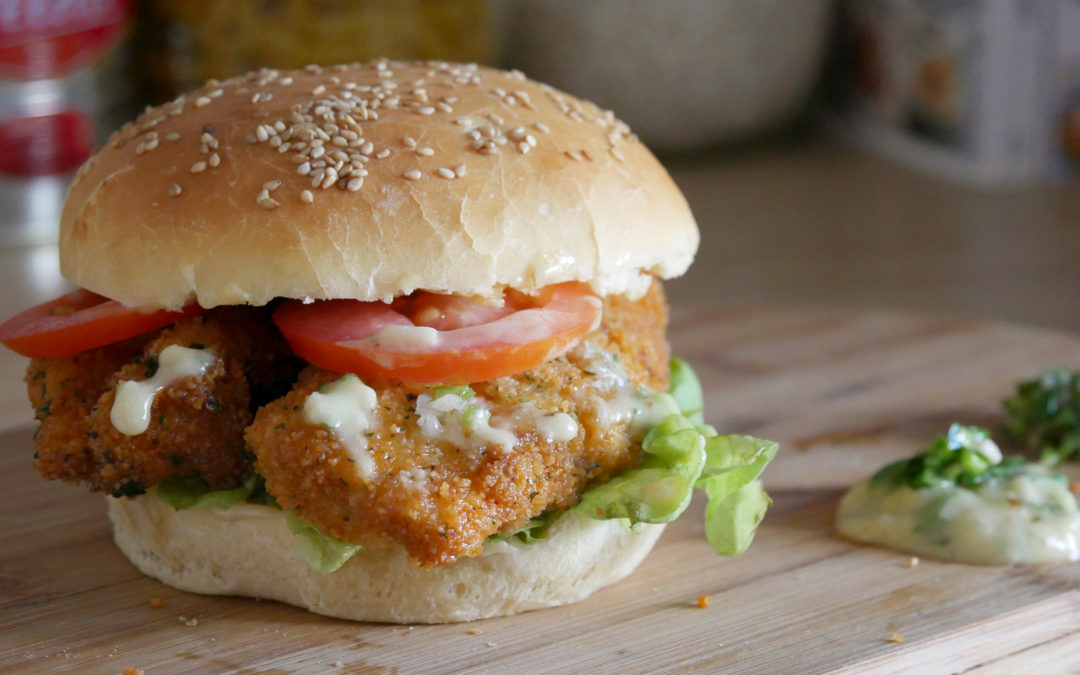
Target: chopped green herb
column 1045, row 415
column 474, row 417
column 951, row 460
column 463, row 391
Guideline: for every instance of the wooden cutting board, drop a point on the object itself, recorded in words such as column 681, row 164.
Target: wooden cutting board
column 843, row 391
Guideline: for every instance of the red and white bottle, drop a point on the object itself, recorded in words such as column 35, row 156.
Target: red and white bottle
column 52, row 104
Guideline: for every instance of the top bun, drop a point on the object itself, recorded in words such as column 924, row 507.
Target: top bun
column 368, row 182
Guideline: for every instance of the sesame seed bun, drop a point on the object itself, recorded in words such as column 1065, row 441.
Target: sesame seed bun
column 247, row 550
column 453, row 178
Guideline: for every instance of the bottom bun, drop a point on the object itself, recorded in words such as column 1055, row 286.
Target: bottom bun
column 248, row 550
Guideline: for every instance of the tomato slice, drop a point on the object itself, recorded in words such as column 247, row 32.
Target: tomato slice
column 79, row 321
column 429, row 338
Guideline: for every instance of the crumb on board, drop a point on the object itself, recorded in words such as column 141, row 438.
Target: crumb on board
column 703, row 601
column 337, row 664
column 190, row 623
column 133, row 671
column 492, row 644
column 897, row 638
column 912, row 562
column 474, row 631
column 157, row 603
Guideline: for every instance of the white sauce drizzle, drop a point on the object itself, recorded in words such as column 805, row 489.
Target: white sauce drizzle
column 467, row 423
column 130, row 412
column 1027, row 518
column 638, row 406
column 442, row 419
column 407, row 336
column 557, row 428
column 347, row 407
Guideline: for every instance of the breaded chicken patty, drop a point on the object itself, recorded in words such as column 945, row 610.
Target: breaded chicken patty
column 197, row 423
column 441, row 500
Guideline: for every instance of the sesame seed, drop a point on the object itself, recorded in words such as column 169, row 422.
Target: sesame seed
column 198, row 167
column 319, row 90
column 251, row 138
column 286, row 81
column 425, row 110
column 306, row 196
column 412, row 174
column 267, row 202
column 409, row 142
column 446, row 173
column 445, row 107
column 425, row 152
column 214, row 160
column 206, row 138
column 542, row 128
column 201, row 101
column 354, row 184
column 618, row 155
column 260, row 134
column 317, row 151
column 172, row 136
column 459, row 170
column 215, row 93
column 574, row 155
column 383, row 154
column 174, row 190
column 523, row 147
column 304, row 169
column 367, row 148
column 271, row 185
column 530, row 139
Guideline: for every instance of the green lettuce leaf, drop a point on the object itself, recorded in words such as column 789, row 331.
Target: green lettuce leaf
column 681, row 454
column 686, row 390
column 191, row 492
column 737, row 502
column 730, row 522
column 319, row 550
column 661, row 488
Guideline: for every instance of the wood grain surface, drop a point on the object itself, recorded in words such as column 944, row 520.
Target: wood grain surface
column 843, row 391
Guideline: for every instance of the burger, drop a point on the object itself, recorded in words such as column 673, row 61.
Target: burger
column 384, row 341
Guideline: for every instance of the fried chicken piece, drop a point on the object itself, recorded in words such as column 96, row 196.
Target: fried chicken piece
column 63, row 391
column 439, row 501
column 196, row 424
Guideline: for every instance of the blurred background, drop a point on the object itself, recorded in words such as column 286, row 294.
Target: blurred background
column 917, row 154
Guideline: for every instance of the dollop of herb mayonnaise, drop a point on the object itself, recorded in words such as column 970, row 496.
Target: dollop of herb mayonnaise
column 961, row 500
